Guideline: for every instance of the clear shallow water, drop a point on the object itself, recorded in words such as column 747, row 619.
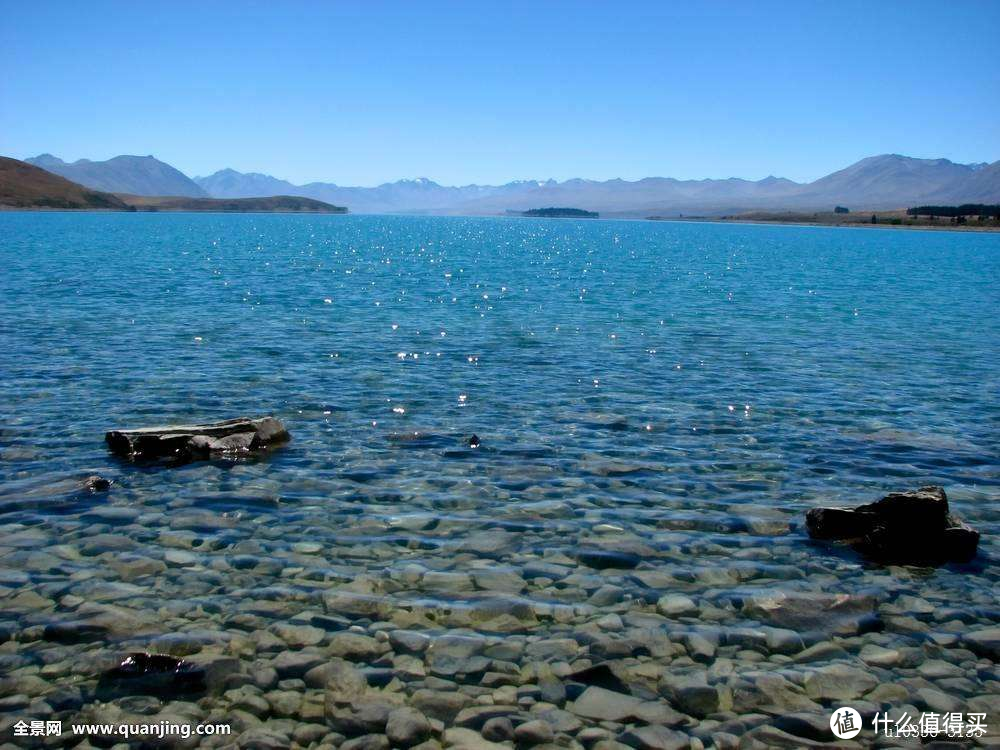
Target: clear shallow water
column 683, row 392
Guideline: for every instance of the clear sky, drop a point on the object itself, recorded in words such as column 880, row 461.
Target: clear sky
column 360, row 93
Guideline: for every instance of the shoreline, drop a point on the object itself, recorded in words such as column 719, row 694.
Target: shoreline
column 675, row 220
column 843, row 225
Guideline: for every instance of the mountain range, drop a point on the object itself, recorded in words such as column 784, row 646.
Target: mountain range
column 888, row 181
column 135, row 175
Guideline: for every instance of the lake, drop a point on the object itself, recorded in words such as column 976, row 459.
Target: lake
column 657, row 405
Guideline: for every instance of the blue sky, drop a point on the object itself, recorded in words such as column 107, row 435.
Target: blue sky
column 368, row 92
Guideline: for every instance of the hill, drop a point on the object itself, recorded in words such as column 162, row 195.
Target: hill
column 25, row 186
column 271, row 204
column 887, row 181
column 134, row 175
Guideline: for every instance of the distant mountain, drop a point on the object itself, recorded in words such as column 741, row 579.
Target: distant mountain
column 417, row 195
column 27, row 186
column 883, row 182
column 890, row 181
column 228, row 183
column 982, row 186
column 135, row 175
column 878, row 182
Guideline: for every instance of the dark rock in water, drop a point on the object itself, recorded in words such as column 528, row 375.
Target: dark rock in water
column 96, row 483
column 602, row 559
column 232, row 438
column 152, row 674
column 474, row 441
column 913, row 528
column 601, row 675
column 74, row 632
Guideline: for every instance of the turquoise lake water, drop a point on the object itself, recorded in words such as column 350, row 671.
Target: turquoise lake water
column 681, row 391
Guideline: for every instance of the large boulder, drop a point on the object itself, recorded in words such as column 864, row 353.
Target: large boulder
column 232, row 438
column 914, row 528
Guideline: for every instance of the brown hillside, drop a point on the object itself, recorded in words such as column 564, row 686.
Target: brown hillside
column 25, row 186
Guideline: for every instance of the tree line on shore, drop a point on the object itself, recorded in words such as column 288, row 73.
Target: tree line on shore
column 982, row 210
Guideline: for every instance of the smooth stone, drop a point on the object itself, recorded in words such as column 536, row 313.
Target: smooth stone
column 611, row 622
column 367, row 742
column 814, row 612
column 343, row 682
column 606, row 596
column 877, row 656
column 355, row 647
column 498, row 729
column 934, row 669
column 536, row 732
column 676, row 605
column 261, row 738
column 839, row 682
column 468, row 739
column 409, row 641
column 447, row 582
column 984, row 642
column 498, row 580
column 825, row 651
column 440, row 705
column 604, row 705
column 700, row 648
column 362, row 717
column 552, row 649
column 935, row 700
column 295, row 663
column 298, row 636
column 178, row 558
column 475, row 717
column 407, row 727
column 655, row 738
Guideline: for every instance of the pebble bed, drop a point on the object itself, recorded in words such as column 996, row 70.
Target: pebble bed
column 620, row 563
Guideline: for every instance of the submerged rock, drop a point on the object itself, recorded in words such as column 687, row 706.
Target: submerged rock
column 603, row 559
column 191, row 442
column 912, row 528
column 96, row 483
column 152, row 674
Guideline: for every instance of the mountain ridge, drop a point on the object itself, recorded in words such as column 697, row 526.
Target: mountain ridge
column 134, row 175
column 885, row 181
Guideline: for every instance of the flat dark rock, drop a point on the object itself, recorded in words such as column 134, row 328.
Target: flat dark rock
column 914, row 528
column 232, row 438
column 602, row 559
column 152, row 674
